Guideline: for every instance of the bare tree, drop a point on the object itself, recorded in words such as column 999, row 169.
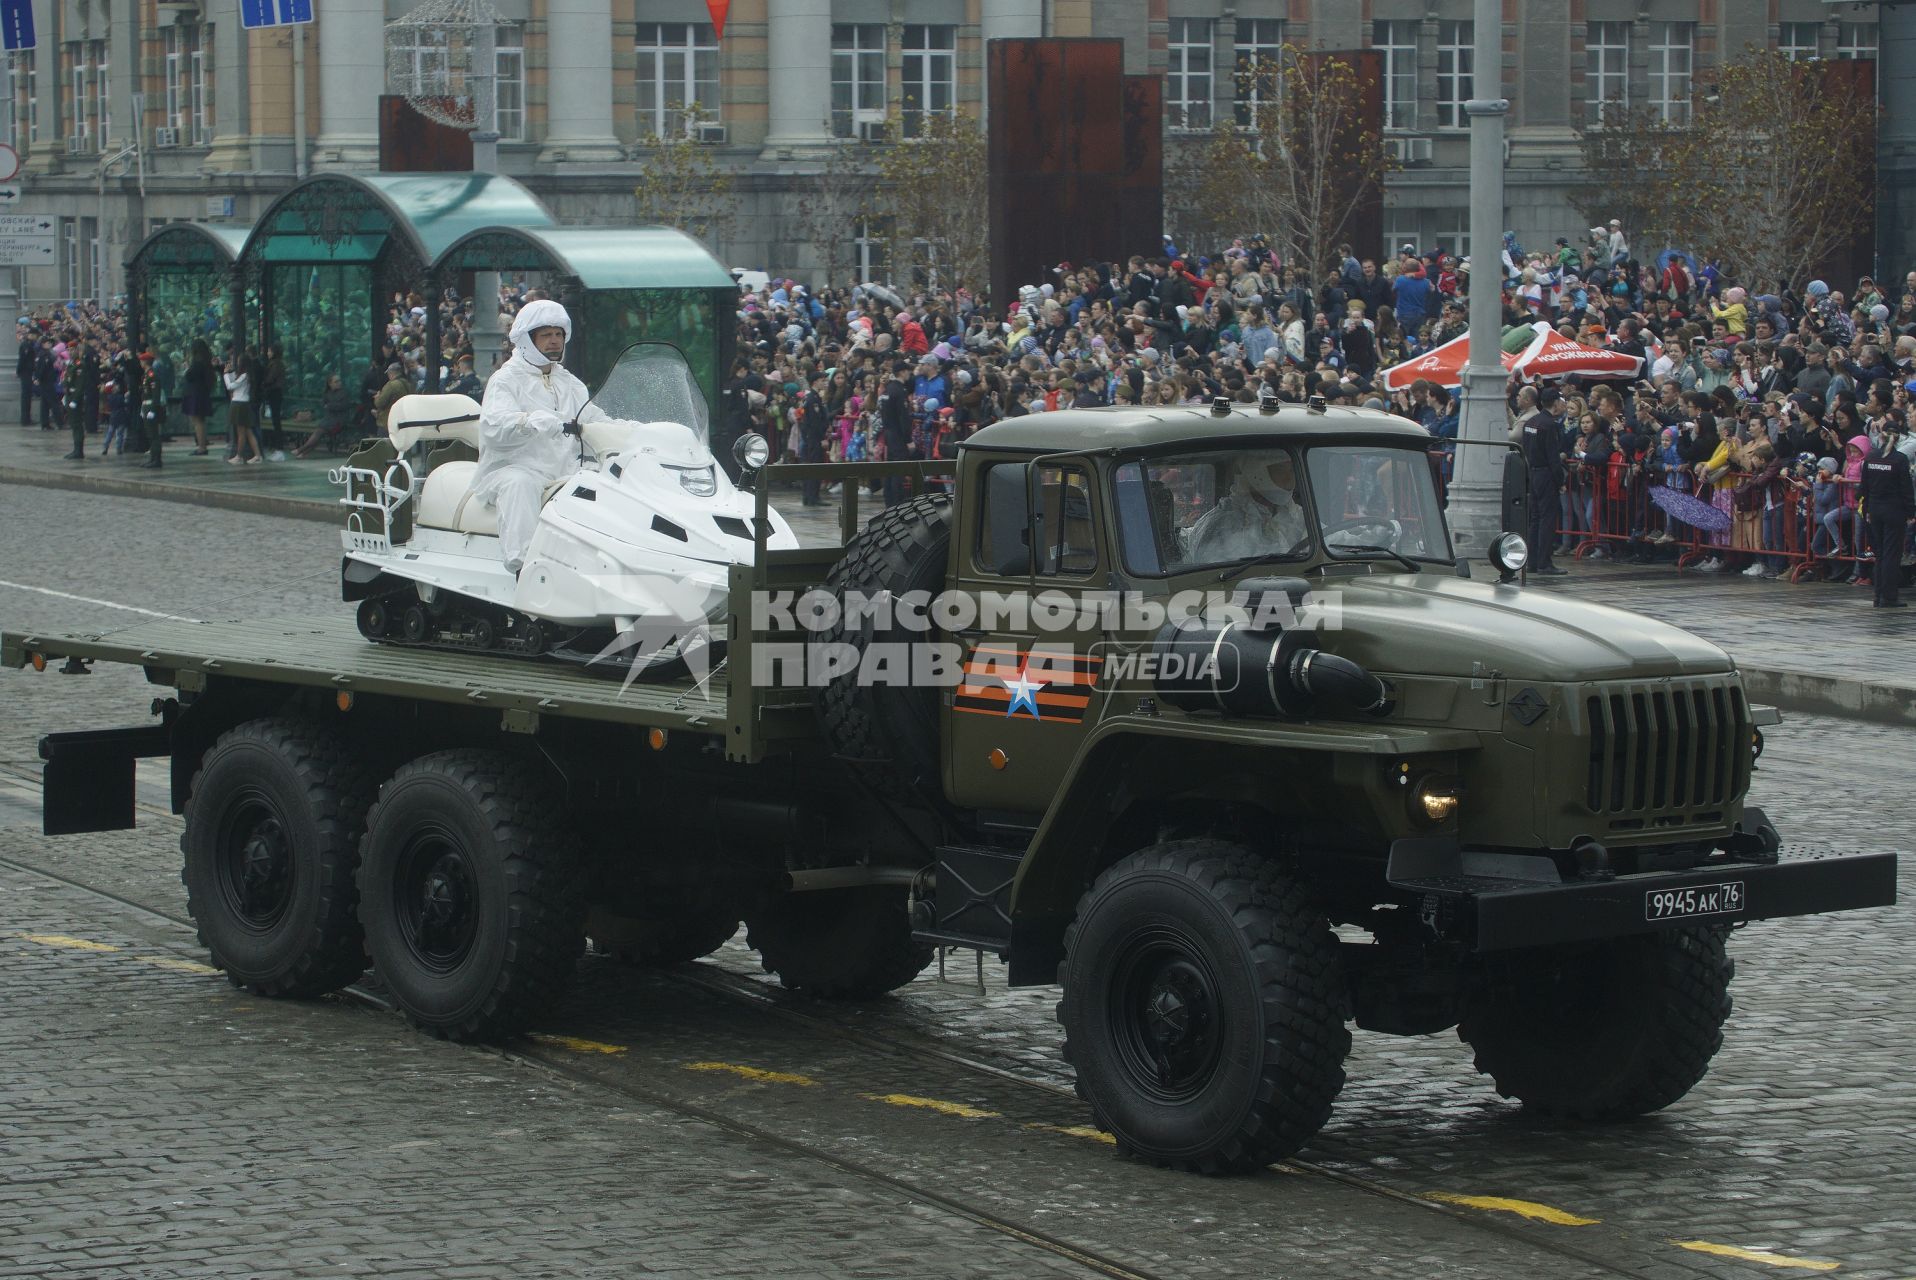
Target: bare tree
column 1628, row 176
column 1321, row 153
column 681, row 185
column 932, row 195
column 834, row 200
column 1776, row 167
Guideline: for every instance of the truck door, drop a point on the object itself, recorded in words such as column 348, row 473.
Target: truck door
column 1029, row 692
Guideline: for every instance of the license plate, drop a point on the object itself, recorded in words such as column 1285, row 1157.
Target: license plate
column 1697, row 900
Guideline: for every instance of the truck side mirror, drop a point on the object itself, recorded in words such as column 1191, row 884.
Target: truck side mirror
column 1008, row 518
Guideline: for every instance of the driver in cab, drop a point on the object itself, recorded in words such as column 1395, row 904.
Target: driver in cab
column 528, row 426
column 1259, row 516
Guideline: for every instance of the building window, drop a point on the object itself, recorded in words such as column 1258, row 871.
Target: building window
column 1672, row 55
column 1188, row 80
column 1855, row 40
column 1797, row 40
column 1456, row 55
column 509, row 83
column 678, row 69
column 1397, row 42
column 201, row 80
column 870, row 251
column 79, row 101
column 173, row 61
column 1259, row 51
column 858, row 77
column 1400, row 229
column 31, row 81
column 930, row 69
column 1606, row 69
column 1453, row 231
column 102, row 88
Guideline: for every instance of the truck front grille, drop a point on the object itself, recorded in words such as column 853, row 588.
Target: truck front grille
column 1668, row 748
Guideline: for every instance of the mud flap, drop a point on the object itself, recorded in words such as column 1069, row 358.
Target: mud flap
column 88, row 782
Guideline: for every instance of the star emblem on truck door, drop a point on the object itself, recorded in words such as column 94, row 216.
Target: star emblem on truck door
column 1024, row 691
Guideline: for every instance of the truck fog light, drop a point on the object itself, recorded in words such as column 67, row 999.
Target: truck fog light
column 1435, row 799
column 1508, row 554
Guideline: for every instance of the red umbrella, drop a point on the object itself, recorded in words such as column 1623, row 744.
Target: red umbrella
column 1442, row 365
column 1556, row 356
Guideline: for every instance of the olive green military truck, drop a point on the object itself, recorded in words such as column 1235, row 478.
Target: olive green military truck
column 1192, row 712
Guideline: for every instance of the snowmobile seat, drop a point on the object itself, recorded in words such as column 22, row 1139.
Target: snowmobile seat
column 422, row 419
column 446, row 501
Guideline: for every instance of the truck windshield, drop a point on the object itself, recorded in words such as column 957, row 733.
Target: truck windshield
column 1370, row 497
column 1189, row 511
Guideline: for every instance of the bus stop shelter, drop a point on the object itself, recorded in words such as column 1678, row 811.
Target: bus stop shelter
column 183, row 285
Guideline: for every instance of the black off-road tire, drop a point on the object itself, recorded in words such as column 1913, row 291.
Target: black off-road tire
column 1243, row 972
column 839, row 944
column 472, row 893
column 1603, row 1032
column 891, row 731
column 269, row 850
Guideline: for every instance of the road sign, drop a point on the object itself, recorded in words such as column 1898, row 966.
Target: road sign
column 9, row 162
column 270, row 13
column 26, row 224
column 25, row 251
column 9, row 193
column 16, row 25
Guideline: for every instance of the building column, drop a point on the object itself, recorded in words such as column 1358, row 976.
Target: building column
column 579, row 83
column 1003, row 20
column 352, row 75
column 232, row 150
column 799, row 67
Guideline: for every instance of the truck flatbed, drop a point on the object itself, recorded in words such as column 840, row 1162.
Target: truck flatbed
column 327, row 651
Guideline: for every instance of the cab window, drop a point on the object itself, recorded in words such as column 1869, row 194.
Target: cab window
column 1066, row 535
column 1199, row 510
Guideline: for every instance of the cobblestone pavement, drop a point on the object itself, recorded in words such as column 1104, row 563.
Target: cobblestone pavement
column 153, row 1121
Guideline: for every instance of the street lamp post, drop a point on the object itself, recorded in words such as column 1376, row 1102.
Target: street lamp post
column 1476, row 490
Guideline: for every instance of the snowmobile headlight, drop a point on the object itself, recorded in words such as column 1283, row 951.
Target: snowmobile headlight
column 700, row 482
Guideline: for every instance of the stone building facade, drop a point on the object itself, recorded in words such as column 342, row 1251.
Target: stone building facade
column 134, row 113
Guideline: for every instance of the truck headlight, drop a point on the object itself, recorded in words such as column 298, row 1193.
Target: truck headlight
column 1435, row 799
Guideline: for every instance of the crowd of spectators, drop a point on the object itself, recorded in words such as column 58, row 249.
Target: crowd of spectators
column 1766, row 402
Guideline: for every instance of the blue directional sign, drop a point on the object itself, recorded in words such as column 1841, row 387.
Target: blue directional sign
column 16, row 25
column 269, row 13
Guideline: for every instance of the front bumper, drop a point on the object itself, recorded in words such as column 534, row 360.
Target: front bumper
column 1502, row 902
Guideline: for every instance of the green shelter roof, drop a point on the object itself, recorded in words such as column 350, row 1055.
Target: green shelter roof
column 191, row 244
column 347, row 216
column 600, row 257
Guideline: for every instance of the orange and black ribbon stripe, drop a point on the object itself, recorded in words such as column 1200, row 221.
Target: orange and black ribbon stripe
column 1068, row 679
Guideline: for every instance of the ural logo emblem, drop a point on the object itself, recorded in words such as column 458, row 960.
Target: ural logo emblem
column 1528, row 707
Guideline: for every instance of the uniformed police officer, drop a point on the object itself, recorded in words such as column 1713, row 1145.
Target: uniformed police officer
column 1541, row 438
column 83, row 388
column 1887, row 502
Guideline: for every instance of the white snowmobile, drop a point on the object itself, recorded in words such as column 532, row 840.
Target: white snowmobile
column 629, row 566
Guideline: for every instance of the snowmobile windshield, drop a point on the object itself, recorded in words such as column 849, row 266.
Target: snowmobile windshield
column 651, row 382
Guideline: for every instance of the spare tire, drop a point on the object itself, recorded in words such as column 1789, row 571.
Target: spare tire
column 891, row 728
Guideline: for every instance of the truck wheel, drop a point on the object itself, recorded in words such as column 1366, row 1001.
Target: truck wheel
column 847, row 944
column 270, row 845
column 890, row 729
column 472, row 893
column 1204, row 1008
column 1605, row 1032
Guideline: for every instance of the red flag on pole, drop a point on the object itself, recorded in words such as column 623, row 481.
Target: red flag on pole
column 718, row 9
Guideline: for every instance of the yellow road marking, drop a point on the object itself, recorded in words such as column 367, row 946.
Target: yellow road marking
column 1522, row 1208
column 61, row 940
column 574, row 1043
column 753, row 1073
column 175, row 964
column 1077, row 1131
column 930, row 1104
column 1755, row 1255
